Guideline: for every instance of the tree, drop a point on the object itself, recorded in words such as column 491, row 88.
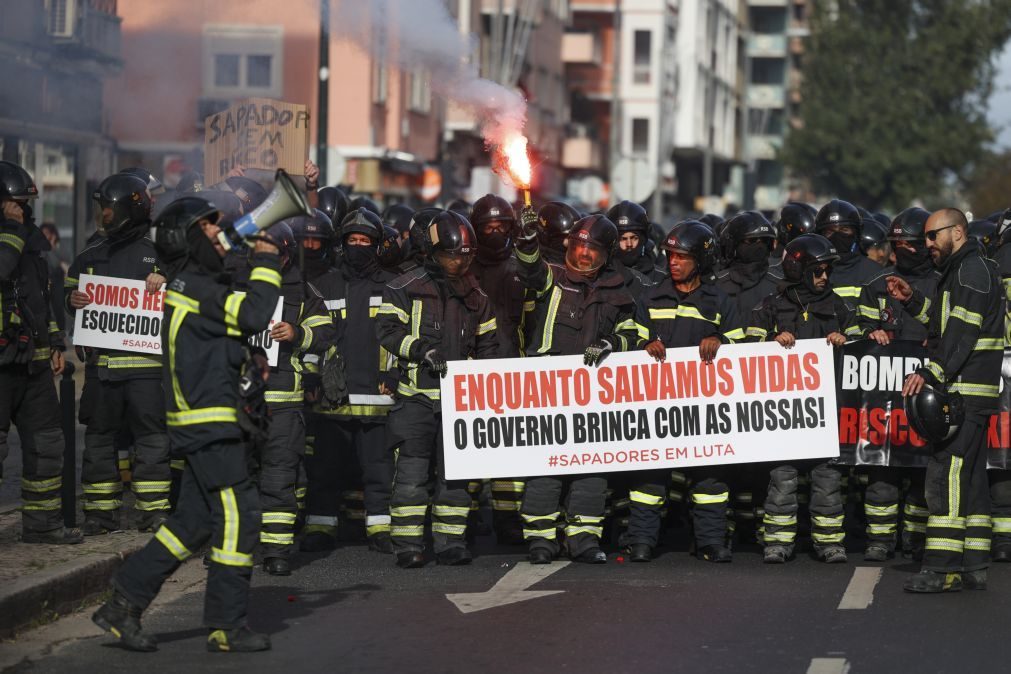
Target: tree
column 894, row 96
column 988, row 187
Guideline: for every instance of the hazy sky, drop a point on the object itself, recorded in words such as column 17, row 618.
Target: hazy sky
column 1000, row 104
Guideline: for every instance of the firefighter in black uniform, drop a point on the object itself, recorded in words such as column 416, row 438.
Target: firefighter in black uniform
column 204, row 334
column 583, row 308
column 883, row 319
column 807, row 308
column 556, row 220
column 496, row 270
column 128, row 387
column 965, row 344
column 633, row 234
column 429, row 316
column 1000, row 480
column 353, row 294
column 316, row 240
column 31, row 351
column 305, row 328
column 839, row 222
column 683, row 311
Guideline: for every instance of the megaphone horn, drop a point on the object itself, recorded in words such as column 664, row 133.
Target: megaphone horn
column 284, row 201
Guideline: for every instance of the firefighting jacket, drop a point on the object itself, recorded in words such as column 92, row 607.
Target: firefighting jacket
column 302, row 308
column 353, row 303
column 205, row 336
column 25, row 296
column 965, row 327
column 809, row 319
column 876, row 310
column 678, row 319
column 420, row 313
column 851, row 273
column 573, row 312
column 132, row 257
column 500, row 281
column 1003, row 258
column 748, row 284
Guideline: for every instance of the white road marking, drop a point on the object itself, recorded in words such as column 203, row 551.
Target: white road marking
column 511, row 588
column 860, row 592
column 828, row 666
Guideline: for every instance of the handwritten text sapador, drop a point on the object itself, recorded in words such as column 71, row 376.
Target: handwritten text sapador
column 123, row 297
column 646, row 382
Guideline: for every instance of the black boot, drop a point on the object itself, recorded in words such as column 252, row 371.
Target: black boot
column 591, row 556
column 277, row 566
column 410, row 559
column 719, row 554
column 454, row 557
column 640, row 552
column 240, row 640
column 933, row 582
column 974, row 580
column 122, row 619
column 381, row 542
column 55, row 537
column 540, row 556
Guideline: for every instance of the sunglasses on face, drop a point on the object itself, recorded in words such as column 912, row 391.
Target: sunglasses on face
column 932, row 235
column 823, row 270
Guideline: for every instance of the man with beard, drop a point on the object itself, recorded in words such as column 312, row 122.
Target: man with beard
column 965, row 345
column 806, row 308
column 883, row 319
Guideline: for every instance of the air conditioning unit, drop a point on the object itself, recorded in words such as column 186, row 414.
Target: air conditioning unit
column 62, row 17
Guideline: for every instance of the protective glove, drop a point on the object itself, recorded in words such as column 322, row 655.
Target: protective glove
column 595, row 353
column 436, row 362
column 334, row 382
column 528, row 224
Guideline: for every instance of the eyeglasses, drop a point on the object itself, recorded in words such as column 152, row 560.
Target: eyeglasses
column 932, row 235
column 824, row 270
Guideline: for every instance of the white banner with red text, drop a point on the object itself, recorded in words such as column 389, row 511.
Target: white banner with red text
column 550, row 416
column 122, row 315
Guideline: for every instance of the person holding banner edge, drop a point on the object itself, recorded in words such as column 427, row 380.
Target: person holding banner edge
column 965, row 345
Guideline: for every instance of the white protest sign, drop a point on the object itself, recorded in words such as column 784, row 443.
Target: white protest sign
column 551, row 416
column 122, row 315
column 264, row 340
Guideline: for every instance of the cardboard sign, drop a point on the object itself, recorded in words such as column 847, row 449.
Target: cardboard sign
column 550, row 416
column 257, row 133
column 122, row 315
column 265, row 341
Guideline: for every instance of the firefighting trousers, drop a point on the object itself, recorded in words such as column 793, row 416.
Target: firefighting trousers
column 279, row 461
column 140, row 405
column 217, row 501
column 506, row 497
column 710, row 501
column 881, row 507
column 30, row 402
column 826, row 506
column 364, row 442
column 583, row 511
column 416, row 429
column 958, row 498
column 1000, row 499
column 646, row 501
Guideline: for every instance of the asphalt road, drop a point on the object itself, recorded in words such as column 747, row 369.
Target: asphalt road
column 354, row 611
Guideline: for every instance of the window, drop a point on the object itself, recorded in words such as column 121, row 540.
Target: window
column 379, row 83
column 242, row 60
column 420, row 94
column 642, row 57
column 640, row 136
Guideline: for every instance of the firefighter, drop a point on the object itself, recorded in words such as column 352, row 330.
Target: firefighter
column 334, row 204
column 583, row 308
column 683, row 311
column 556, row 219
column 874, row 242
column 31, row 352
column 806, row 308
column 429, row 316
column 883, row 319
column 128, row 388
column 633, row 234
column 353, row 294
column 316, row 239
column 839, row 222
column 204, row 334
column 305, row 328
column 965, row 344
column 1000, row 479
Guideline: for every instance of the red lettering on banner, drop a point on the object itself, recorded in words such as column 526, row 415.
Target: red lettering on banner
column 606, row 395
column 998, row 433
column 113, row 296
column 813, row 379
column 875, row 426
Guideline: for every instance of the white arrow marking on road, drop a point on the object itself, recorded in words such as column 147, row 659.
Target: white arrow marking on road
column 828, row 666
column 511, row 588
column 860, row 592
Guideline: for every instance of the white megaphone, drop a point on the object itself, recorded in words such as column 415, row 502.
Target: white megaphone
column 284, row 201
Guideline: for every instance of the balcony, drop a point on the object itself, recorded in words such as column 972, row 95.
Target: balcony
column 766, row 96
column 581, row 154
column 85, row 30
column 761, row 45
column 763, row 146
column 581, row 48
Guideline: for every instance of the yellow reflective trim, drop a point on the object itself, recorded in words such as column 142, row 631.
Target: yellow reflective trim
column 277, row 538
column 178, row 316
column 449, row 529
column 408, row 511
column 133, row 362
column 42, row 485
column 230, row 558
column 847, row 291
column 979, row 521
column 593, row 531
column 954, row 491
column 644, row 498
column 392, row 310
column 232, row 305
column 1001, row 525
column 71, row 282
column 881, row 511
column 916, row 527
column 278, row 518
column 709, row 499
column 231, row 511
column 989, row 344
column 450, row 511
column 827, row 538
column 177, row 300
column 373, row 529
column 881, row 528
column 508, row 485
column 979, row 390
column 550, row 534
column 948, row 544
column 104, row 504
column 486, row 327
column 284, row 396
column 172, row 543
column 264, row 275
column 13, row 240
column 529, row 258
column 149, row 506
column 756, row 332
column 824, row 521
column 399, row 530
column 50, row 504
column 101, row 487
column 780, row 536
column 946, row 522
column 970, row 317
column 317, row 321
column 151, row 486
column 530, row 519
column 977, row 543
column 203, row 415
column 407, row 390
column 548, row 333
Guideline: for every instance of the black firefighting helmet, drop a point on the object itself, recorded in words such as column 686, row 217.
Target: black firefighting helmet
column 656, row 234
column 985, row 231
column 451, row 232
column 805, row 251
column 935, row 415
column 229, row 205
column 154, row 186
column 127, row 198
column 460, row 206
column 488, row 208
column 630, row 217
column 909, row 225
column 317, row 226
column 883, row 219
column 191, row 182
column 1003, row 227
column 421, row 245
column 837, row 213
column 334, row 203
column 249, row 192
column 366, row 203
column 172, row 228
column 557, row 219
column 399, row 217
column 15, row 183
column 362, row 221
column 597, row 230
column 694, row 238
column 745, row 225
column 712, row 221
column 872, row 234
column 391, row 253
column 281, row 235
column 797, row 218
